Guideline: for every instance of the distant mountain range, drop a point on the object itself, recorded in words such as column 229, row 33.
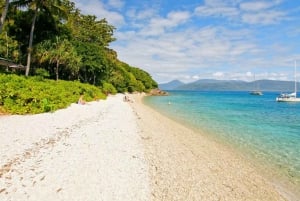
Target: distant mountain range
column 171, row 85
column 230, row 85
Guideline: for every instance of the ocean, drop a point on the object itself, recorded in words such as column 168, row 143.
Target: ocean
column 261, row 129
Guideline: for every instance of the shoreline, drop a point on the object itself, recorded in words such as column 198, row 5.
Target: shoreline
column 183, row 145
column 116, row 150
column 285, row 185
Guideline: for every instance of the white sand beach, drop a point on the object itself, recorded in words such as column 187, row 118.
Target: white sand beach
column 115, row 150
column 83, row 153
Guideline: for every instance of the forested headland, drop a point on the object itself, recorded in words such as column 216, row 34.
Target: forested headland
column 56, row 43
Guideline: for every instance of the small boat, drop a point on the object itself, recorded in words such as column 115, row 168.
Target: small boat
column 289, row 97
column 256, row 92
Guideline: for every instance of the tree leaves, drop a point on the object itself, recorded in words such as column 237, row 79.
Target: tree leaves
column 69, row 45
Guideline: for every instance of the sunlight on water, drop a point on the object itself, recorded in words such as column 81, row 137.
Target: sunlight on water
column 258, row 126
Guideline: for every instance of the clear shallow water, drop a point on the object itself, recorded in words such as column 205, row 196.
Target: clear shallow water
column 258, row 126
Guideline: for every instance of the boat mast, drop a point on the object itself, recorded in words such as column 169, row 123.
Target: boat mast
column 295, row 79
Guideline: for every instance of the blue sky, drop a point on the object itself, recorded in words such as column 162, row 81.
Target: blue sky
column 199, row 39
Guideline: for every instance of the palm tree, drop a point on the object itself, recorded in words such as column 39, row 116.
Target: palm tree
column 59, row 52
column 64, row 53
column 49, row 6
column 3, row 16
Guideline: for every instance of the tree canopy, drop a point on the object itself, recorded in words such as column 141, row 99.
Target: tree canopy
column 54, row 38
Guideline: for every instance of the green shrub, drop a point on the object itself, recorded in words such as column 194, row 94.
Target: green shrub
column 29, row 95
column 108, row 88
column 41, row 72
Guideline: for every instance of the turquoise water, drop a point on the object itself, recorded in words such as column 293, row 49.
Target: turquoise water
column 258, row 126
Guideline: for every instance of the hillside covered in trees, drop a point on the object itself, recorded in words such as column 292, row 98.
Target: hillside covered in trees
column 54, row 40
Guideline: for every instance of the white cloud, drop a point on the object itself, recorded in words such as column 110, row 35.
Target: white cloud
column 176, row 18
column 262, row 12
column 159, row 44
column 266, row 17
column 136, row 15
column 177, row 53
column 118, row 4
column 196, row 77
column 218, row 74
column 255, row 6
column 159, row 25
column 217, row 11
column 251, row 12
column 249, row 74
column 95, row 7
column 220, row 3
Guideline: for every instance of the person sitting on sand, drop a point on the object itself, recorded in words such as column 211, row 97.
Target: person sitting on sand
column 80, row 100
column 127, row 99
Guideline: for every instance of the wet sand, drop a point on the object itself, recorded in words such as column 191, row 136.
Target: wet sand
column 187, row 165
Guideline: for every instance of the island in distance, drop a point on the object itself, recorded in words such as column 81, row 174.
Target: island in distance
column 229, row 85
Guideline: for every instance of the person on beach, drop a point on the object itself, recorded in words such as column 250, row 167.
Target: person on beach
column 126, row 98
column 80, row 100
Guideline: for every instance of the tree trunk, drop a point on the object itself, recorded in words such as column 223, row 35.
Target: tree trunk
column 30, row 42
column 4, row 12
column 56, row 70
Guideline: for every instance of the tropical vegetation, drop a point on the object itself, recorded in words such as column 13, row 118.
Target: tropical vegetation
column 56, row 42
column 31, row 95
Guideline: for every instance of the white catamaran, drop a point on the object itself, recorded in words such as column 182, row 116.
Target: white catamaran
column 292, row 97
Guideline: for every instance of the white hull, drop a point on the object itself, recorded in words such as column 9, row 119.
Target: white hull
column 291, row 99
column 257, row 93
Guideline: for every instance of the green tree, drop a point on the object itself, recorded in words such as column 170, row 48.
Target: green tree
column 3, row 14
column 59, row 52
column 91, row 38
column 86, row 28
column 8, row 47
column 118, row 79
column 141, row 76
column 67, row 45
column 48, row 6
